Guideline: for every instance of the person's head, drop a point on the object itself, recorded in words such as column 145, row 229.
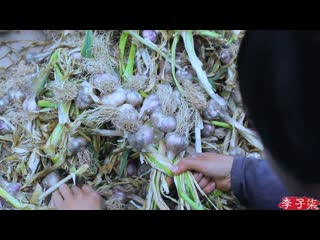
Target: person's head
column 278, row 75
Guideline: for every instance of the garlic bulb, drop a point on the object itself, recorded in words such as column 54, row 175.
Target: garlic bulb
column 175, row 142
column 164, row 123
column 51, row 179
column 150, row 104
column 76, row 56
column 134, row 98
column 208, row 130
column 151, row 35
column 142, row 138
column 115, row 99
column 226, row 57
column 184, row 75
column 237, row 151
column 212, row 111
column 131, row 168
column 76, row 144
column 83, row 99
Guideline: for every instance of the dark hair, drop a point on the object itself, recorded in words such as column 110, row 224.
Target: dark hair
column 278, row 72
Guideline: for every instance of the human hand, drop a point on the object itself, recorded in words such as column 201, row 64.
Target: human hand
column 212, row 170
column 76, row 198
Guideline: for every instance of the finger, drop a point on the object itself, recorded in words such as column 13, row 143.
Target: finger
column 191, row 163
column 209, row 188
column 203, row 182
column 75, row 190
column 196, row 176
column 87, row 188
column 199, row 177
column 65, row 191
column 169, row 181
column 57, row 200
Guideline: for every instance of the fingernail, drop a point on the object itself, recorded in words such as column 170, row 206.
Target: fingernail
column 175, row 169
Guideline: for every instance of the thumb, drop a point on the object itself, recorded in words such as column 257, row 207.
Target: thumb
column 187, row 164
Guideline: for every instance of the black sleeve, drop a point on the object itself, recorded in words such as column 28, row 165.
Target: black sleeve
column 255, row 184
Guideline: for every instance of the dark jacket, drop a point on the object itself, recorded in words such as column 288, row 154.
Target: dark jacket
column 255, row 184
